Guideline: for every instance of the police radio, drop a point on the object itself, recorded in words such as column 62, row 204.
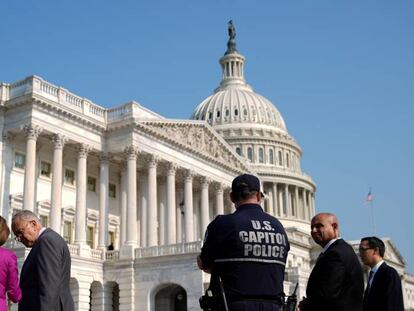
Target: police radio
column 291, row 301
column 209, row 302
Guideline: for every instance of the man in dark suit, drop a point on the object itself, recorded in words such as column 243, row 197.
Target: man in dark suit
column 45, row 275
column 336, row 282
column 383, row 292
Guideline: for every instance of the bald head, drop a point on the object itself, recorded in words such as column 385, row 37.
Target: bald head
column 324, row 228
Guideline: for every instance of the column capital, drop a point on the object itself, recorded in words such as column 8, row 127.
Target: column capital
column 59, row 141
column 32, row 131
column 83, row 150
column 218, row 186
column 8, row 137
column 189, row 174
column 104, row 157
column 131, row 152
column 152, row 160
column 172, row 168
column 205, row 181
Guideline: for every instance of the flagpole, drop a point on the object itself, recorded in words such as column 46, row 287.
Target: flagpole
column 372, row 217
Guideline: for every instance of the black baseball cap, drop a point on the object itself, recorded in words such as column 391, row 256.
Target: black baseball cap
column 246, row 182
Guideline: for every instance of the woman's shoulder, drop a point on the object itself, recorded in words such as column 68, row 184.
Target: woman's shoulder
column 6, row 253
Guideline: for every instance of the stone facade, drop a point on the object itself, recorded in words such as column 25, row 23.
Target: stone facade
column 149, row 186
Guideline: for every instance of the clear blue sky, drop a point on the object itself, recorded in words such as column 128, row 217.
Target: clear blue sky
column 340, row 72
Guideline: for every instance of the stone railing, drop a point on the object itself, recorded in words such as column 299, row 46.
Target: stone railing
column 111, row 255
column 96, row 253
column 73, row 249
column 164, row 250
column 37, row 86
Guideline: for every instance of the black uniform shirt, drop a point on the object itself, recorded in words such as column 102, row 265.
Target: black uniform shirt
column 248, row 250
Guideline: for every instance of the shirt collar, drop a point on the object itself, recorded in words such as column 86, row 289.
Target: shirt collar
column 41, row 231
column 329, row 244
column 375, row 268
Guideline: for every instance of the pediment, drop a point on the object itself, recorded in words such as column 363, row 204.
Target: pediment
column 197, row 137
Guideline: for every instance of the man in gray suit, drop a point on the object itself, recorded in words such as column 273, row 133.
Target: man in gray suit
column 45, row 275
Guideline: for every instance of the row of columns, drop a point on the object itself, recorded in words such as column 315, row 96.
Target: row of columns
column 128, row 196
column 298, row 203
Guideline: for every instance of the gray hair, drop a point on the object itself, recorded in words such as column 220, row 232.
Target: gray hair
column 25, row 215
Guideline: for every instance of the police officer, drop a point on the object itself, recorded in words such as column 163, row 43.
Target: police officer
column 247, row 250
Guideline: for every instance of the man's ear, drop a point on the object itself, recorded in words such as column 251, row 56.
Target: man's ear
column 232, row 197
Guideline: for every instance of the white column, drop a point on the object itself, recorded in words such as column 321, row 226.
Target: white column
column 313, row 204
column 32, row 133
column 287, row 201
column 123, row 202
column 162, row 217
column 81, row 176
column 219, row 199
column 56, row 196
column 7, row 165
column 103, row 200
column 131, row 232
column 152, row 201
column 204, row 206
column 304, row 209
column 271, row 209
column 298, row 213
column 276, row 204
column 171, row 206
column 144, row 210
column 188, row 206
column 180, row 215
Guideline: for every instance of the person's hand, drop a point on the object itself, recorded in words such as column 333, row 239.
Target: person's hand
column 200, row 265
column 301, row 305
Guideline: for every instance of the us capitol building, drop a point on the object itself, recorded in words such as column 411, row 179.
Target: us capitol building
column 148, row 186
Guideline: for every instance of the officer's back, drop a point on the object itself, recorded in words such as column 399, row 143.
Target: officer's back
column 247, row 249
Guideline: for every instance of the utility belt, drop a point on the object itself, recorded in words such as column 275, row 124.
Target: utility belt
column 278, row 300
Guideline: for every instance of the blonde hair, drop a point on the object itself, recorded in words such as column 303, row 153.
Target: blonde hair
column 4, row 231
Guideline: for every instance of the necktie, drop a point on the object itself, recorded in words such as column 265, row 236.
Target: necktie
column 371, row 274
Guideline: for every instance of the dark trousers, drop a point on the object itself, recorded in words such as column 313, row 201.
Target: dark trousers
column 253, row 306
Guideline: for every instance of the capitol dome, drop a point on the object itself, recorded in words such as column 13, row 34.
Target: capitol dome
column 235, row 103
column 254, row 128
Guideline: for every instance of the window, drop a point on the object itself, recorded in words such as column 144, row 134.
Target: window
column 227, row 112
column 112, row 191
column 271, row 159
column 238, row 151
column 236, row 112
column 218, row 113
column 90, row 236
column 111, row 238
column 44, row 220
column 91, row 184
column 287, row 160
column 261, row 155
column 45, row 169
column 19, row 160
column 67, row 231
column 210, row 115
column 280, row 158
column 250, row 153
column 69, row 176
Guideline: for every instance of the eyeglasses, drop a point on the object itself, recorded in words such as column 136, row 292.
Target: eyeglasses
column 19, row 233
column 364, row 249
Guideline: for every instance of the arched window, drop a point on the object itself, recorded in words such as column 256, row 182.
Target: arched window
column 218, row 113
column 279, row 154
column 238, row 151
column 245, row 111
column 250, row 153
column 210, row 115
column 271, row 159
column 236, row 112
column 287, row 159
column 227, row 112
column 261, row 155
